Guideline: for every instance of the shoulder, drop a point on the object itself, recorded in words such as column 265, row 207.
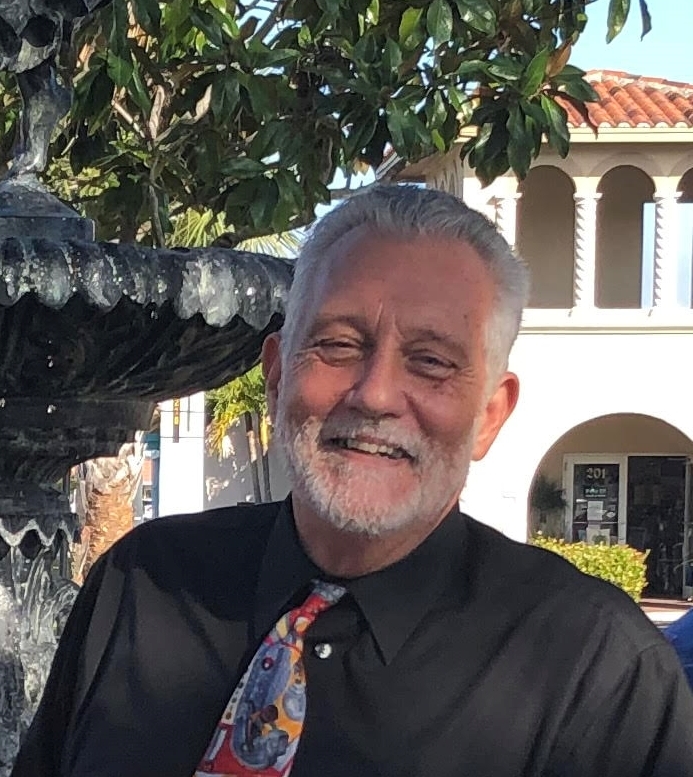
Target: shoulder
column 227, row 538
column 542, row 583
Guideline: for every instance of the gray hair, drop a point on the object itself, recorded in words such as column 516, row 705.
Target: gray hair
column 409, row 210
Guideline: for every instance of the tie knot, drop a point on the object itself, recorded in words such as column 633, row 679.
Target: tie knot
column 330, row 592
column 321, row 597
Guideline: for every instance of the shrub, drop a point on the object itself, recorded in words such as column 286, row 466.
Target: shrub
column 619, row 564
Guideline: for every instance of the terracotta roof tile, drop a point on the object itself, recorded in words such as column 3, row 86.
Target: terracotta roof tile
column 636, row 101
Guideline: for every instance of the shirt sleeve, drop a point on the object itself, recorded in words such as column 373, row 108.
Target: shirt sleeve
column 74, row 664
column 642, row 727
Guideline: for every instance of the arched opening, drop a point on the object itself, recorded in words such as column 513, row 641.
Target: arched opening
column 620, row 217
column 686, row 187
column 685, row 268
column 545, row 235
column 623, row 478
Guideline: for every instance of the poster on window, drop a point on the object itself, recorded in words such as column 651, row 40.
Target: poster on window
column 595, row 501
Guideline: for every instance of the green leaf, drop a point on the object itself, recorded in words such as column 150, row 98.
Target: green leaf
column 439, row 21
column 397, row 124
column 505, row 67
column 436, row 111
column 305, row 38
column 569, row 72
column 225, row 96
column 117, row 30
column 579, row 89
column 119, row 70
column 533, row 76
column 148, row 13
column 360, row 134
column 438, row 141
column 206, row 24
column 392, row 55
column 373, row 12
column 472, row 70
column 330, row 8
column 618, row 13
column 140, row 94
column 366, row 49
column 410, row 30
column 263, row 204
column 559, row 135
column 243, row 167
column 262, row 94
column 462, row 103
column 521, row 142
column 478, row 14
column 176, row 13
column 533, row 7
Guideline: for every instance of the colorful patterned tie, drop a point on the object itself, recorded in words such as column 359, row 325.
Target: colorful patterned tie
column 259, row 731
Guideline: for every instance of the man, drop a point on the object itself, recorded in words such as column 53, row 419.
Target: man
column 388, row 634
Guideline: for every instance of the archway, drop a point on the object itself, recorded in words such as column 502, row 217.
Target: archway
column 686, row 231
column 545, row 235
column 624, row 192
column 623, row 478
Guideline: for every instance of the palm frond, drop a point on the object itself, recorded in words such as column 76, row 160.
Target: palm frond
column 201, row 228
column 228, row 404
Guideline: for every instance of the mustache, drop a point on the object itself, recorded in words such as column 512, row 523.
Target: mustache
column 385, row 431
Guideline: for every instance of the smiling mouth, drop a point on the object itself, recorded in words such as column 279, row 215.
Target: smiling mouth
column 375, row 449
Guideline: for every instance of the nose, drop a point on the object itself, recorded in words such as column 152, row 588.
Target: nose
column 378, row 390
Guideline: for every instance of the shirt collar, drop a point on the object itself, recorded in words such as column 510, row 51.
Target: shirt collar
column 394, row 600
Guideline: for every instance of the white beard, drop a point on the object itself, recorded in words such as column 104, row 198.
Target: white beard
column 349, row 494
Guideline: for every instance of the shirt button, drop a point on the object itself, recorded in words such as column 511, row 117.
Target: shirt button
column 323, row 650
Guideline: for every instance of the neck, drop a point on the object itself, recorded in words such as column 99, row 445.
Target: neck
column 351, row 554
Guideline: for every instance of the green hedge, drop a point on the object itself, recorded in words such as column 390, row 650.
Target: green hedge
column 619, row 564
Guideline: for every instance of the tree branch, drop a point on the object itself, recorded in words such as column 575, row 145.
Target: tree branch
column 129, row 118
column 157, row 226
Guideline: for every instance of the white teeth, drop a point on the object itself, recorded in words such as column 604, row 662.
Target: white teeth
column 368, row 447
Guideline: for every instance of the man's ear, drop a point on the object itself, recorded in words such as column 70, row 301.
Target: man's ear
column 272, row 369
column 496, row 413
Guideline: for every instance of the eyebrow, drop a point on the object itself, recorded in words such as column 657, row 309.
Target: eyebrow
column 418, row 334
column 321, row 322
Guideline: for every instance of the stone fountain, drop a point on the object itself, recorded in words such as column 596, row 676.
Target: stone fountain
column 92, row 335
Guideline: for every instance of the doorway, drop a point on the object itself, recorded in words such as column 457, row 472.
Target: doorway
column 644, row 501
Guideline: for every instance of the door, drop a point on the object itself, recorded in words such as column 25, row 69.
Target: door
column 687, row 552
column 596, row 493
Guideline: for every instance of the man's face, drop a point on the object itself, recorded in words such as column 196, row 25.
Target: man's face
column 381, row 405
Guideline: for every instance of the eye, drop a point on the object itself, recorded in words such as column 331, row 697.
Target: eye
column 338, row 349
column 430, row 365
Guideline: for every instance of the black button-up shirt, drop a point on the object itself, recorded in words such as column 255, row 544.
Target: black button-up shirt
column 474, row 656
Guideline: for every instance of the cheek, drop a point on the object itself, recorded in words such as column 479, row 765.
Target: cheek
column 446, row 417
column 313, row 390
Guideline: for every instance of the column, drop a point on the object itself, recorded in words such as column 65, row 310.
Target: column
column 506, row 217
column 666, row 249
column 584, row 277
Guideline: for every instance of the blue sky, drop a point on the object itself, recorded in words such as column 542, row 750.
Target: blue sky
column 664, row 53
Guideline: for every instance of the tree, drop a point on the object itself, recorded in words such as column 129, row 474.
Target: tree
column 107, row 487
column 243, row 399
column 250, row 108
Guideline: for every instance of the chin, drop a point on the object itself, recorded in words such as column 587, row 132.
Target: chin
column 363, row 522
column 364, row 508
